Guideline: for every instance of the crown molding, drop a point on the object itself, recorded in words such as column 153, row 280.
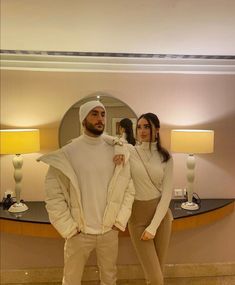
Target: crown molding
column 62, row 61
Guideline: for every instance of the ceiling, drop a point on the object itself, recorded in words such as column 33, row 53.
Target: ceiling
column 152, row 36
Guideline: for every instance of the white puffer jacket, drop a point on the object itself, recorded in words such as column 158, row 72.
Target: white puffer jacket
column 63, row 199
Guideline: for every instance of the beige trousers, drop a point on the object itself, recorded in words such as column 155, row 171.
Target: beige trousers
column 151, row 253
column 77, row 250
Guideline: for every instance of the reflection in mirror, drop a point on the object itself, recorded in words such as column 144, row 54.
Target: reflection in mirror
column 70, row 126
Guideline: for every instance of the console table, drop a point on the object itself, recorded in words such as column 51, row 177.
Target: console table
column 35, row 221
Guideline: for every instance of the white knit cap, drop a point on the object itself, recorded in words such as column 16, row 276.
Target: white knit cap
column 87, row 107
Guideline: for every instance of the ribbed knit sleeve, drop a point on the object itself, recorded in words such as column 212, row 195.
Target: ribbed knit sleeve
column 162, row 208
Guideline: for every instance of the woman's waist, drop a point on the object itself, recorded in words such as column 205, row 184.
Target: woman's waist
column 143, row 211
column 147, row 202
column 147, row 196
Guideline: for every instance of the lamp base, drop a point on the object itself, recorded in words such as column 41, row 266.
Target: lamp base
column 18, row 207
column 189, row 206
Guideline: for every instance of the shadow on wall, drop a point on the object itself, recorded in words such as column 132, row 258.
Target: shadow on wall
column 49, row 139
column 224, row 143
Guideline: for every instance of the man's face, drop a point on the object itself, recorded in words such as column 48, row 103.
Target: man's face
column 95, row 122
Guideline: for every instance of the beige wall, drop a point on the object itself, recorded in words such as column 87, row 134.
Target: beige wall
column 40, row 99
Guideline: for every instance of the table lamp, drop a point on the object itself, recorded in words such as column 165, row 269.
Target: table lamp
column 191, row 142
column 18, row 141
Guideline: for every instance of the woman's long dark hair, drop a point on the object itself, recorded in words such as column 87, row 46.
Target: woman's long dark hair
column 153, row 119
column 128, row 127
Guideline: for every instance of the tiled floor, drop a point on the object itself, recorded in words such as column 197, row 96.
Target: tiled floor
column 226, row 280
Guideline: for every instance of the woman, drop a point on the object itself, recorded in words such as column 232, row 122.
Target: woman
column 126, row 131
column 151, row 219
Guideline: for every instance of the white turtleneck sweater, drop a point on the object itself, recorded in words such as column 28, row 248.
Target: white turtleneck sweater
column 92, row 161
column 160, row 173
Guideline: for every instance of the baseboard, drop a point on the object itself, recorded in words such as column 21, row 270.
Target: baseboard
column 199, row 270
column 128, row 272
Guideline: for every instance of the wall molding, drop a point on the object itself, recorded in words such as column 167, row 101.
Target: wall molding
column 128, row 272
column 71, row 61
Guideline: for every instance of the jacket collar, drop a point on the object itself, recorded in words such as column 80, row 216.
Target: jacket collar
column 58, row 160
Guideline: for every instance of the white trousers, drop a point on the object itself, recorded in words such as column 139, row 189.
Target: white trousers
column 77, row 251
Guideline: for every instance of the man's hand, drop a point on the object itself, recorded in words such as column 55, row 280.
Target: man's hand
column 77, row 233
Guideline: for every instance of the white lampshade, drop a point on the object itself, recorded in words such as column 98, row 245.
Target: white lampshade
column 18, row 141
column 192, row 141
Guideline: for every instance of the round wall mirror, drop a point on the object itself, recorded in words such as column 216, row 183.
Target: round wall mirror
column 70, row 126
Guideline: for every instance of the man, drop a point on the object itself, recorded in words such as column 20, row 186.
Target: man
column 88, row 198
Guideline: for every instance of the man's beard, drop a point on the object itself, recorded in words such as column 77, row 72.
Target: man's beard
column 92, row 129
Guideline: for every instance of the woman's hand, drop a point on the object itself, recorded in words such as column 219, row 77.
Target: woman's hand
column 118, row 159
column 146, row 236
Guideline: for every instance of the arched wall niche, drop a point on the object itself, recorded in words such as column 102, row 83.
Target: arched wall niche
column 70, row 126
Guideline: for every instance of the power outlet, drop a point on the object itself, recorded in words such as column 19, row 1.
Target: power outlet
column 8, row 192
column 178, row 192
